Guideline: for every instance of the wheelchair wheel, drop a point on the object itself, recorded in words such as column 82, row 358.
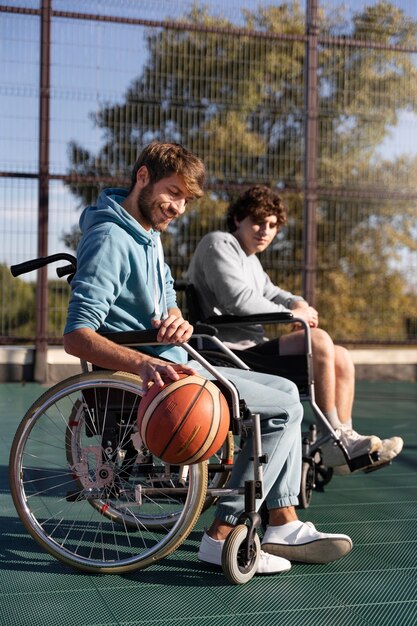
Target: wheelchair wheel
column 307, row 484
column 83, row 490
column 78, row 452
column 323, row 476
column 174, row 476
column 237, row 568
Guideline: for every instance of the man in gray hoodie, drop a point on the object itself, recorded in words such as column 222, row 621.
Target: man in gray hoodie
column 230, row 279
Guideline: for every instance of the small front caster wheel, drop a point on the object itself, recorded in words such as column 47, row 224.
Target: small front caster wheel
column 237, row 567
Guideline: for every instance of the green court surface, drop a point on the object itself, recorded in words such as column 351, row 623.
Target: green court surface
column 375, row 585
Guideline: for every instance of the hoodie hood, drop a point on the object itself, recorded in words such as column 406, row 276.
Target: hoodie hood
column 109, row 210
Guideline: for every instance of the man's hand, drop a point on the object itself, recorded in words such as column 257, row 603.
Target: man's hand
column 158, row 371
column 173, row 329
column 305, row 312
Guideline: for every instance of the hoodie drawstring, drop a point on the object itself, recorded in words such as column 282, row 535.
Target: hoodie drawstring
column 158, row 268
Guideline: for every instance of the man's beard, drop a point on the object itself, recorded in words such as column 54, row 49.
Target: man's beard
column 147, row 208
column 145, row 205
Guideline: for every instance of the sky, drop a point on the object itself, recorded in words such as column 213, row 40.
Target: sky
column 97, row 69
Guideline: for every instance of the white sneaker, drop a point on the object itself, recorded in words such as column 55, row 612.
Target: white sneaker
column 390, row 449
column 300, row 541
column 355, row 444
column 211, row 552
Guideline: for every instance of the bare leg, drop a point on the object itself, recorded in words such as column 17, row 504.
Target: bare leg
column 324, row 363
column 345, row 384
column 334, row 374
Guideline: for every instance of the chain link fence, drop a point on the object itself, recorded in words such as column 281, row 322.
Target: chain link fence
column 315, row 98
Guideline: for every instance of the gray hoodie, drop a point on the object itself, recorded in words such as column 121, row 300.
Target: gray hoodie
column 228, row 281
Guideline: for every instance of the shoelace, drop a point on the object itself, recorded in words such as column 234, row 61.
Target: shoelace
column 353, row 437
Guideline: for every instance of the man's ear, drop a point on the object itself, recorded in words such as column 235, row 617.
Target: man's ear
column 142, row 176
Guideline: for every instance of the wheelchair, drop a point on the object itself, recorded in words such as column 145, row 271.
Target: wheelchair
column 88, row 491
column 298, row 368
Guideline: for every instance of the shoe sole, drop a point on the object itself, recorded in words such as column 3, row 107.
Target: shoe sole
column 277, row 571
column 319, row 551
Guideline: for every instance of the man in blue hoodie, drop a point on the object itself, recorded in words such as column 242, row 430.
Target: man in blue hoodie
column 122, row 283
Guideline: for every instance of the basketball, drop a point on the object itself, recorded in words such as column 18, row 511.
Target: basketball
column 185, row 421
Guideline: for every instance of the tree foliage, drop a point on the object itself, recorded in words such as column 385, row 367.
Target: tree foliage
column 18, row 310
column 18, row 305
column 238, row 101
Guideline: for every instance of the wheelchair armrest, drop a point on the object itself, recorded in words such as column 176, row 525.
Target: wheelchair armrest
column 133, row 337
column 205, row 329
column 138, row 337
column 283, row 317
column 244, row 320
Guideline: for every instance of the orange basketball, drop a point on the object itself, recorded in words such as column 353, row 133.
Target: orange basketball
column 184, row 422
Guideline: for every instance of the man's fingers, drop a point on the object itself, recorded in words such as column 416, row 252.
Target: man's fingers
column 176, row 331
column 152, row 373
column 160, row 373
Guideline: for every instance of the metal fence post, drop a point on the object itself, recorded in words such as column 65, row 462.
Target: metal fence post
column 41, row 344
column 310, row 153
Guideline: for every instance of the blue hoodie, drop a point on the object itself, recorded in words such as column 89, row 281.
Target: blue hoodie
column 122, row 282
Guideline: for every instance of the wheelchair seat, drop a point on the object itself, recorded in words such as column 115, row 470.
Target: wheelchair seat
column 295, row 367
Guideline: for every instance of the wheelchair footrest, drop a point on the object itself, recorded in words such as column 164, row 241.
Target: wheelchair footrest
column 363, row 461
column 374, row 468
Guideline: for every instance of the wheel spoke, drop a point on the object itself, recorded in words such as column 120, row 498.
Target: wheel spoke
column 80, row 486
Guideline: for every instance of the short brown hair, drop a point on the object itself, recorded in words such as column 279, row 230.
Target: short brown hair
column 164, row 159
column 257, row 202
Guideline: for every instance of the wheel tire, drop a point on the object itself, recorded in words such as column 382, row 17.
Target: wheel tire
column 307, row 484
column 235, row 567
column 91, row 528
column 323, row 476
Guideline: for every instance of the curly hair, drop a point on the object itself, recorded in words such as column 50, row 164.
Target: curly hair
column 257, row 202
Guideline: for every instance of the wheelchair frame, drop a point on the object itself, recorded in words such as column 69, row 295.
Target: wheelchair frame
column 315, row 474
column 92, row 496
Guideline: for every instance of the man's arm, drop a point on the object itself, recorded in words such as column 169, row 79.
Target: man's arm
column 236, row 290
column 88, row 345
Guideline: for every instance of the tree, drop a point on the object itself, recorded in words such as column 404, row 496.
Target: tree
column 237, row 100
column 18, row 310
column 18, row 305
